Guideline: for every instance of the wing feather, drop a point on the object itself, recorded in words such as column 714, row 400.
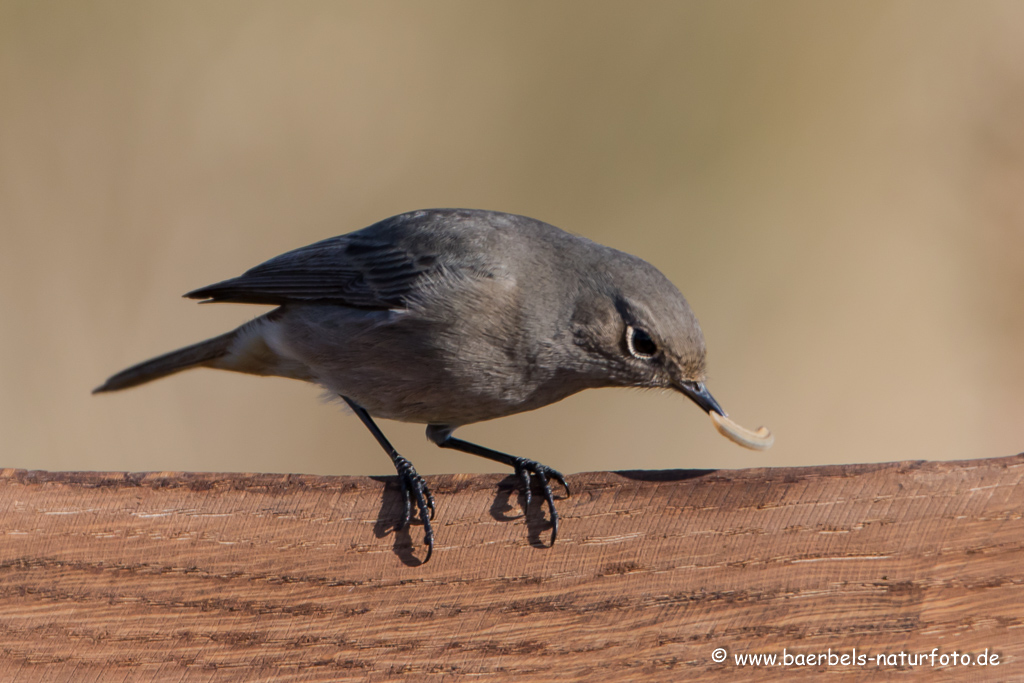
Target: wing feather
column 353, row 270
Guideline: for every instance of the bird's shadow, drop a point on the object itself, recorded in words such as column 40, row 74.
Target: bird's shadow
column 663, row 475
column 503, row 509
column 388, row 517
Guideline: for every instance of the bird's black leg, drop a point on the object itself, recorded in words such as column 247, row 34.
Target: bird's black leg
column 442, row 436
column 413, row 485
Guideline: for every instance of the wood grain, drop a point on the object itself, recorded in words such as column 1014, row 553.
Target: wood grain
column 225, row 577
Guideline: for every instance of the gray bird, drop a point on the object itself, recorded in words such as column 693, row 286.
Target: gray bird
column 452, row 316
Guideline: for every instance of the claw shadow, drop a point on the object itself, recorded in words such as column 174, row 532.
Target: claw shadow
column 536, row 521
column 388, row 517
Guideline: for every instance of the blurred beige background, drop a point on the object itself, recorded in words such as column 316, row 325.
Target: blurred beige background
column 838, row 188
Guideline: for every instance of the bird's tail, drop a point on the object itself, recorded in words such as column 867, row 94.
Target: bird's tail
column 204, row 353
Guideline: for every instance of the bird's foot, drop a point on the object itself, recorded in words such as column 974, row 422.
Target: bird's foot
column 415, row 488
column 542, row 473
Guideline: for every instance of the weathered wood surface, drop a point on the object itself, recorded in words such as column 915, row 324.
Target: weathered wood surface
column 214, row 577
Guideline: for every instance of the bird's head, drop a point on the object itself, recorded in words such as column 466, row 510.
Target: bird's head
column 635, row 329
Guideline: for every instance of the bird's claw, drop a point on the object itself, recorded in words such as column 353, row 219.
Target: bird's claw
column 524, row 468
column 414, row 487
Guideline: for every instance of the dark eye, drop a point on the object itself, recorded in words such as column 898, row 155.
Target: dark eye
column 640, row 343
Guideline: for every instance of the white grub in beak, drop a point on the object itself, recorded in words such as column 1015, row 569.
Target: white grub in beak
column 760, row 440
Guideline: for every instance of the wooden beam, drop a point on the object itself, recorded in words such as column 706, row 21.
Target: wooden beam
column 223, row 577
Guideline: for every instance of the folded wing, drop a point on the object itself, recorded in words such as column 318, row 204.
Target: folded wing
column 352, row 270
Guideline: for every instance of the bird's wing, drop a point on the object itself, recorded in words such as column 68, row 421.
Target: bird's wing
column 356, row 270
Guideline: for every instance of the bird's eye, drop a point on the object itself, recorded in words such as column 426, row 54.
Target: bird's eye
column 640, row 343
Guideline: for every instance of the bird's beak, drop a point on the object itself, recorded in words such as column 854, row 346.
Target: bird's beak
column 759, row 440
column 698, row 393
